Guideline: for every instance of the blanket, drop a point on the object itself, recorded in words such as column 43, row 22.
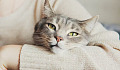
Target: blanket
column 102, row 53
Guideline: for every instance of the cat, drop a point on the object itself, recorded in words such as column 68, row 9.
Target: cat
column 60, row 33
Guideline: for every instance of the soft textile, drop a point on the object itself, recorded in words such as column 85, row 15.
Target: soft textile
column 104, row 54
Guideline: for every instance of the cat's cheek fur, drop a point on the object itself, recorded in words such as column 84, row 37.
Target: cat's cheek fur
column 57, row 50
column 61, row 44
column 53, row 41
column 51, row 30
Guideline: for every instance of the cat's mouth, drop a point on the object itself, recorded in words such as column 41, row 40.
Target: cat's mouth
column 55, row 46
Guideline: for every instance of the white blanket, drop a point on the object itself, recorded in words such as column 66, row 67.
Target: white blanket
column 102, row 54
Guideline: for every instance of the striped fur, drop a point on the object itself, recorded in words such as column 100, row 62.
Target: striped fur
column 44, row 36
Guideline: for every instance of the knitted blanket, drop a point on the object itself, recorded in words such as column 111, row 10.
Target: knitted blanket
column 103, row 53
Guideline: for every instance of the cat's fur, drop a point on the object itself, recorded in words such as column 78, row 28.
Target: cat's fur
column 22, row 33
column 44, row 36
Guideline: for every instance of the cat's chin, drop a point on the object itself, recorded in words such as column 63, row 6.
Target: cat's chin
column 57, row 50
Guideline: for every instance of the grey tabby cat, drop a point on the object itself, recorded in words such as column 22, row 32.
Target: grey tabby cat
column 60, row 33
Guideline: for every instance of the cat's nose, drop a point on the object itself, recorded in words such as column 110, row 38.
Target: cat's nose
column 58, row 38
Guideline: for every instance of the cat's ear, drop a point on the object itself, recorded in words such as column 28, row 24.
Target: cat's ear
column 89, row 24
column 48, row 11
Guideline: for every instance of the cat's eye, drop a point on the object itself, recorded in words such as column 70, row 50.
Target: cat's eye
column 73, row 34
column 51, row 26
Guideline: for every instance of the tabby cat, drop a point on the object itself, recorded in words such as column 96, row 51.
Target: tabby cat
column 60, row 33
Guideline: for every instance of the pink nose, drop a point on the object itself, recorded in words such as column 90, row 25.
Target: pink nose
column 59, row 38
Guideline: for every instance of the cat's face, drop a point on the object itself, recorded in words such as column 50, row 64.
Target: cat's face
column 60, row 33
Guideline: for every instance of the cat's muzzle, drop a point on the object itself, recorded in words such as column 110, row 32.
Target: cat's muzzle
column 51, row 46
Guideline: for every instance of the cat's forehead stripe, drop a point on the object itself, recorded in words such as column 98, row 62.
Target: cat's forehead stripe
column 73, row 26
column 60, row 20
column 66, row 21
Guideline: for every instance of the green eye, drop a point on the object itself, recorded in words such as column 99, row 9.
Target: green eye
column 51, row 26
column 73, row 34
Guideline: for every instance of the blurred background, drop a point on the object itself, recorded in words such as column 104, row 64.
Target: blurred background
column 109, row 11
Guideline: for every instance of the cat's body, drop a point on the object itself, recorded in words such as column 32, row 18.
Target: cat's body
column 60, row 33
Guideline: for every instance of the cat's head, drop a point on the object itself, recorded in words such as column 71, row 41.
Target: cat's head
column 60, row 33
